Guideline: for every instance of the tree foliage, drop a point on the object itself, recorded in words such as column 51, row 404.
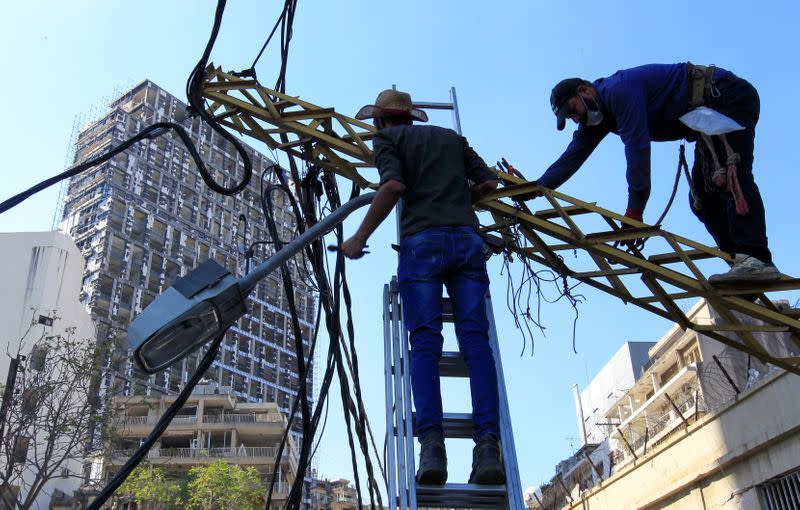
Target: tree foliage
column 217, row 486
column 149, row 488
column 223, row 486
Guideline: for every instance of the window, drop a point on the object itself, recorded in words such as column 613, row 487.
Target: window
column 782, row 493
column 692, row 356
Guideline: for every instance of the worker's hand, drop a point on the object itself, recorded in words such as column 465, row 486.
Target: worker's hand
column 353, row 248
column 632, row 246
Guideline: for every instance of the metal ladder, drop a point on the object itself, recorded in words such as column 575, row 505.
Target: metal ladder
column 403, row 491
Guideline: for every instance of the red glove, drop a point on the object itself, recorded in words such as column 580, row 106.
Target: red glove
column 634, row 214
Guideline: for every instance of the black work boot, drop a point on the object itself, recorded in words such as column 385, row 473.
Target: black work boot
column 432, row 460
column 487, row 467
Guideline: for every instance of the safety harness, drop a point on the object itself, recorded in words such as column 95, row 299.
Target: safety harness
column 701, row 88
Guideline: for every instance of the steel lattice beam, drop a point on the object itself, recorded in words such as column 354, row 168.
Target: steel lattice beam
column 654, row 282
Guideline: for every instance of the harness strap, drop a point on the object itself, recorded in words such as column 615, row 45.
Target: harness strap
column 726, row 177
column 742, row 207
column 701, row 79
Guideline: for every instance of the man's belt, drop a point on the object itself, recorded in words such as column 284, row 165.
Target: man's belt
column 700, row 80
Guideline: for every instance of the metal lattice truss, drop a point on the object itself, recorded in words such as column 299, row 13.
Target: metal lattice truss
column 583, row 231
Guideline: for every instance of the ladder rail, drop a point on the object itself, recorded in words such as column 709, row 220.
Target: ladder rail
column 515, row 499
column 399, row 409
column 403, row 344
column 388, row 380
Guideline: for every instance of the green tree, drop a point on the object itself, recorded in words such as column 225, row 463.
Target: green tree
column 223, row 486
column 149, row 488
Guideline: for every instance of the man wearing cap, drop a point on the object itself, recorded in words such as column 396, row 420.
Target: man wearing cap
column 644, row 104
column 438, row 176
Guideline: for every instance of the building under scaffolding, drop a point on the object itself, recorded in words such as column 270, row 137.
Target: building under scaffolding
column 145, row 218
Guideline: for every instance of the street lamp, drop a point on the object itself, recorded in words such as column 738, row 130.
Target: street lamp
column 206, row 301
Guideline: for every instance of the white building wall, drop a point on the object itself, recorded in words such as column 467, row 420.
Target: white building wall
column 613, row 380
column 41, row 274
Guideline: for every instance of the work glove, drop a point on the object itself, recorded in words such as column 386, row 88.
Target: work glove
column 632, row 246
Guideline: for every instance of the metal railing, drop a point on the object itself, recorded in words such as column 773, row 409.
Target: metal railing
column 151, row 420
column 211, row 453
column 243, row 418
column 209, row 418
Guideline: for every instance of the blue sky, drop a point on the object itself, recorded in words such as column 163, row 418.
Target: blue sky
column 62, row 59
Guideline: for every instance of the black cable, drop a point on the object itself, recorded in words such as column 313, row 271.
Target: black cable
column 315, row 255
column 359, row 415
column 269, row 38
column 161, row 426
column 194, row 94
column 682, row 165
column 149, row 132
column 302, row 366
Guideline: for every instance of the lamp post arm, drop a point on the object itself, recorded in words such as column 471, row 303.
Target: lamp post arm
column 331, row 221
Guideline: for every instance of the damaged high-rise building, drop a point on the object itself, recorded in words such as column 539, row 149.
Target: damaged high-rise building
column 145, row 217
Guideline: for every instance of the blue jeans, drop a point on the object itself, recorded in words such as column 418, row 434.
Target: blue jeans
column 452, row 256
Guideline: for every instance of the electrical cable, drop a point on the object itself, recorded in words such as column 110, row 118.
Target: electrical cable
column 531, row 281
column 314, row 253
column 194, row 90
column 264, row 47
column 329, row 301
column 302, row 391
column 149, row 132
column 194, row 94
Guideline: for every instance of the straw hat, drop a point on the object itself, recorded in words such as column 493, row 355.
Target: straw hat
column 392, row 102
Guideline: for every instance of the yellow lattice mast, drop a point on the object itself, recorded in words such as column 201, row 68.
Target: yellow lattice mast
column 339, row 144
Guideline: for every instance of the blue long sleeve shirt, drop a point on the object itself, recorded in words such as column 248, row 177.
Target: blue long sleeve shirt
column 641, row 104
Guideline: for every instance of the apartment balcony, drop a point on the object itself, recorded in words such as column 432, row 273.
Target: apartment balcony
column 249, row 425
column 261, row 457
column 240, row 455
column 648, row 424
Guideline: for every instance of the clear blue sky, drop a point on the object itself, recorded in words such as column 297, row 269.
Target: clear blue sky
column 62, row 59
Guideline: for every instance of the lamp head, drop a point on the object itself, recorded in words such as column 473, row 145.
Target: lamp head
column 198, row 307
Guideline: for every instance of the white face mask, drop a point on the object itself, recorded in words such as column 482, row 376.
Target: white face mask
column 593, row 116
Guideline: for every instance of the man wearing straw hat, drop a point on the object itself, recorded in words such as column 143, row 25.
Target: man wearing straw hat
column 438, row 176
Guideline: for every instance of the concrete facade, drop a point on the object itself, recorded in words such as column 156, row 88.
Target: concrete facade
column 613, row 380
column 213, row 425
column 41, row 274
column 333, row 495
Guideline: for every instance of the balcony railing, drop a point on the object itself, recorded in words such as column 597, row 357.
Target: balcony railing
column 243, row 418
column 151, row 420
column 210, row 418
column 211, row 453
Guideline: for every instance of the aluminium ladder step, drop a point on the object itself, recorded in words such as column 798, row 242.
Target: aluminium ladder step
column 455, row 425
column 452, row 365
column 461, row 495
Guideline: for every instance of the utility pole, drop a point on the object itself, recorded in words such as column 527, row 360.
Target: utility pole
column 8, row 394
